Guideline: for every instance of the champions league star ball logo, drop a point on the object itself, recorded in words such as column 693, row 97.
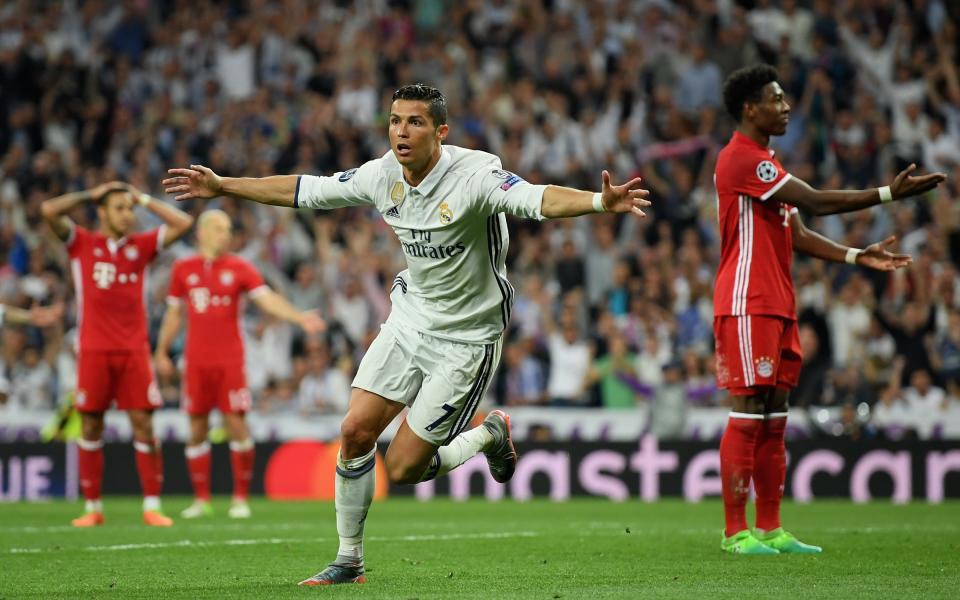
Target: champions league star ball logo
column 764, row 366
column 767, row 171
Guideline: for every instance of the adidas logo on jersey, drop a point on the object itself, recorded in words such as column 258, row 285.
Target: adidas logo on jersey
column 393, row 212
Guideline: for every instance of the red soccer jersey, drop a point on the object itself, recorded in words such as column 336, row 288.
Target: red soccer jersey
column 110, row 277
column 756, row 245
column 212, row 292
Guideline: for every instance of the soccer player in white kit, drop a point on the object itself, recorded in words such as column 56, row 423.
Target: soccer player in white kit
column 438, row 349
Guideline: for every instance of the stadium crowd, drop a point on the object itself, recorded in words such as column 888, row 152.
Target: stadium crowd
column 613, row 312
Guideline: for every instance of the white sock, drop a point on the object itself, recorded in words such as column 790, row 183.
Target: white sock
column 93, row 506
column 151, row 503
column 463, row 447
column 355, row 484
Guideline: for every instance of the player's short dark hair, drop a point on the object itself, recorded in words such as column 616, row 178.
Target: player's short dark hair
column 436, row 101
column 746, row 85
column 102, row 200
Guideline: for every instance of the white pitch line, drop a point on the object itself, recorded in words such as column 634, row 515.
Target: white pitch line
column 273, row 541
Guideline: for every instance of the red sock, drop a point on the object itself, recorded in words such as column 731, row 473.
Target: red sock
column 736, row 468
column 150, row 467
column 241, row 460
column 198, row 464
column 770, row 472
column 91, row 468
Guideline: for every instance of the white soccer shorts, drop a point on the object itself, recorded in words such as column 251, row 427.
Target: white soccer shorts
column 440, row 380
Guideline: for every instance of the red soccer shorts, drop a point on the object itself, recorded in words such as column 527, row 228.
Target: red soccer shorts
column 121, row 376
column 756, row 351
column 222, row 386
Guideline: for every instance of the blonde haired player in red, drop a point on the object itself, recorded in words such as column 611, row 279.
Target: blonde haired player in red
column 208, row 287
column 110, row 268
column 755, row 326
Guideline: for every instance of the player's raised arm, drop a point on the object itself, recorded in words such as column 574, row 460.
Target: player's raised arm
column 500, row 191
column 875, row 256
column 828, row 202
column 54, row 210
column 200, row 182
column 297, row 191
column 178, row 222
column 561, row 202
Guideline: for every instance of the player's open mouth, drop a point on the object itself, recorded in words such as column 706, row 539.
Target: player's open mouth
column 404, row 149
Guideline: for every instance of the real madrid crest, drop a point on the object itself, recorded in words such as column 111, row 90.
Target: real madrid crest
column 397, row 193
column 446, row 215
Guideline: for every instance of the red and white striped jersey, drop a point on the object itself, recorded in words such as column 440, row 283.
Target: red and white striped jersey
column 756, row 244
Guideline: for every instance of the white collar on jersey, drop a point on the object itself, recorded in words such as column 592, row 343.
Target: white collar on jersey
column 433, row 177
column 114, row 245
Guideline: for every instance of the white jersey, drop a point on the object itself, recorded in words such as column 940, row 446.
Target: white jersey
column 453, row 232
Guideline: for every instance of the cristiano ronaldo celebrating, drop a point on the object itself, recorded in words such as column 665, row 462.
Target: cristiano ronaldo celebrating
column 439, row 347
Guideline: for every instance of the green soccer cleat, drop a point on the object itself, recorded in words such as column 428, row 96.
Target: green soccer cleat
column 745, row 543
column 786, row 543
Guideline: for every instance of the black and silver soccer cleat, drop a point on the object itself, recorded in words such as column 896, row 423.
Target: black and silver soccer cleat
column 335, row 574
column 502, row 456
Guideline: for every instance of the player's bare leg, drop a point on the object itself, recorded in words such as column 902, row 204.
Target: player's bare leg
column 737, row 451
column 198, row 465
column 149, row 466
column 90, row 447
column 492, row 437
column 770, row 469
column 368, row 415
column 241, row 460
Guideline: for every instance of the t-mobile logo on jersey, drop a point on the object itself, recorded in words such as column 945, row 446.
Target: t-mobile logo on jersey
column 200, row 298
column 104, row 274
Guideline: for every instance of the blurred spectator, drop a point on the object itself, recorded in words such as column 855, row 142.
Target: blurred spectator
column 325, row 388
column 668, row 406
column 616, row 375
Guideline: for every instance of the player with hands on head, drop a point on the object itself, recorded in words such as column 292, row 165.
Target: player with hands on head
column 207, row 291
column 438, row 349
column 113, row 353
column 755, row 320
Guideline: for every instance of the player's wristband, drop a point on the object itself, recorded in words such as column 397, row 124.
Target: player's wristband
column 885, row 194
column 598, row 202
column 852, row 254
column 143, row 199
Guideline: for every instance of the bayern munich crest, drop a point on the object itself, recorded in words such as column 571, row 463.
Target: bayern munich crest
column 764, row 367
column 767, row 171
column 226, row 277
column 131, row 252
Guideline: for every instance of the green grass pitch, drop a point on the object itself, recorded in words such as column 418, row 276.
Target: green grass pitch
column 456, row 550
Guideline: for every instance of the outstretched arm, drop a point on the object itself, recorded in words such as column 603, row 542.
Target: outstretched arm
column 875, row 256
column 201, row 182
column 828, row 202
column 567, row 202
column 276, row 305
